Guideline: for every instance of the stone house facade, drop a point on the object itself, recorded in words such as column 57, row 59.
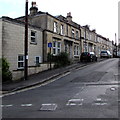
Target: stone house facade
column 93, row 42
column 62, row 32
column 88, row 39
column 13, row 46
column 64, row 35
column 69, row 36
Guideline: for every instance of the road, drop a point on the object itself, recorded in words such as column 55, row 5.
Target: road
column 87, row 92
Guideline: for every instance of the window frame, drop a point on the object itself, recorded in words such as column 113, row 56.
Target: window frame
column 55, row 27
column 20, row 61
column 37, row 64
column 72, row 33
column 77, row 35
column 56, row 48
column 62, row 29
column 76, row 50
column 33, row 36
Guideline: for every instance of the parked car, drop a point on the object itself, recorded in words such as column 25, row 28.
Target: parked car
column 88, row 56
column 105, row 54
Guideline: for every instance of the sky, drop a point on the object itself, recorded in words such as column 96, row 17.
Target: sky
column 101, row 15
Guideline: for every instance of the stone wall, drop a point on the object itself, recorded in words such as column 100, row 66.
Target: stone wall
column 18, row 74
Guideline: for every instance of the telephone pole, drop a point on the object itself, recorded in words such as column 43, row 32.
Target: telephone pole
column 26, row 42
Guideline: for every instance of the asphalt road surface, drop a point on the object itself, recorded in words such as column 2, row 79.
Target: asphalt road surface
column 87, row 92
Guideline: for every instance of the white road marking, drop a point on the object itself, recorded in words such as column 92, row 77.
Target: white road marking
column 72, row 102
column 6, row 105
column 99, row 104
column 48, row 107
column 26, row 105
column 98, row 99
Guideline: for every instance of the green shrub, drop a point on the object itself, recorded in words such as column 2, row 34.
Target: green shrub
column 61, row 60
column 6, row 74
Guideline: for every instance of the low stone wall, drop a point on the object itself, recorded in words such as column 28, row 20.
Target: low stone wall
column 31, row 70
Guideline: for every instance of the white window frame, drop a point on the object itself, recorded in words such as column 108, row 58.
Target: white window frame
column 56, row 48
column 55, row 26
column 77, row 34
column 62, row 29
column 76, row 50
column 73, row 33
column 20, row 61
column 33, row 37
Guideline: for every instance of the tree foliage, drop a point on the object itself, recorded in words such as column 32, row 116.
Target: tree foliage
column 6, row 73
column 60, row 60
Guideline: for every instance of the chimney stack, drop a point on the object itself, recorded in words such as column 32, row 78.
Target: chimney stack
column 33, row 9
column 94, row 30
column 69, row 17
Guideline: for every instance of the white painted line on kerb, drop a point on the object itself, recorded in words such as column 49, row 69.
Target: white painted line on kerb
column 36, row 86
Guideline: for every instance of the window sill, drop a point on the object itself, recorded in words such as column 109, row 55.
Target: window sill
column 33, row 43
column 19, row 69
column 76, row 56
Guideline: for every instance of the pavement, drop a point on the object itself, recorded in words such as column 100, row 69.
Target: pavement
column 39, row 78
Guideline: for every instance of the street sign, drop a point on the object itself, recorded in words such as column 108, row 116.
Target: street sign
column 50, row 45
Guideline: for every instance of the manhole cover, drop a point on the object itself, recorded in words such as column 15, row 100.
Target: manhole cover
column 48, row 107
column 75, row 102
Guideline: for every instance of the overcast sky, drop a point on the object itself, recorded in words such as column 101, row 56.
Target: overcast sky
column 101, row 15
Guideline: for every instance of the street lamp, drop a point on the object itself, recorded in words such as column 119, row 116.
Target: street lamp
column 26, row 42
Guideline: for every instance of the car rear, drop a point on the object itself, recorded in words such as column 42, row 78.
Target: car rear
column 105, row 54
column 85, row 56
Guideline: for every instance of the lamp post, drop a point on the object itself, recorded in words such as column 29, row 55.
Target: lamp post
column 26, row 42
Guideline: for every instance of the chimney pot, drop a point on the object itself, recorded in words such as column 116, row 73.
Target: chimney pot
column 69, row 17
column 33, row 9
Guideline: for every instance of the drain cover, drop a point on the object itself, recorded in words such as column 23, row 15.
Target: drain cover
column 75, row 102
column 48, row 107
